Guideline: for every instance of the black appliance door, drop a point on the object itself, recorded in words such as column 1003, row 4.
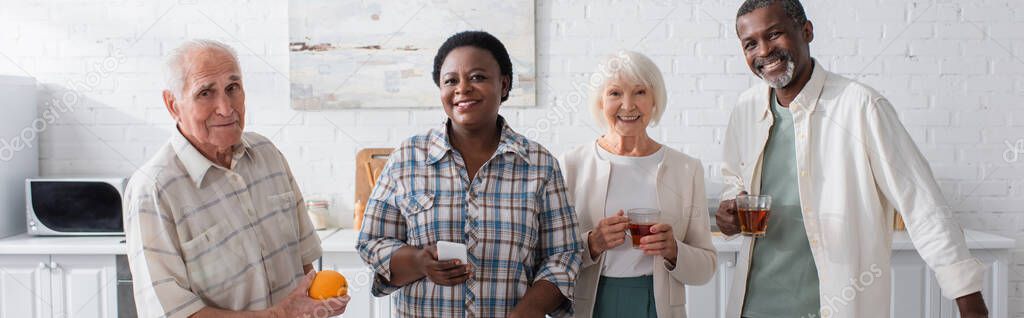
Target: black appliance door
column 77, row 206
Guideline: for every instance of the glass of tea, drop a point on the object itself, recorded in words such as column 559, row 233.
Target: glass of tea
column 640, row 223
column 753, row 211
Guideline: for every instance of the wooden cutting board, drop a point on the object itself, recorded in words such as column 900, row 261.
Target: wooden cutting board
column 897, row 223
column 369, row 163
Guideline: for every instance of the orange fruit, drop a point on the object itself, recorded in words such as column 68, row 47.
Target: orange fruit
column 328, row 284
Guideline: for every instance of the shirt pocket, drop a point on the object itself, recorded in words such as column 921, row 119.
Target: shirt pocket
column 214, row 258
column 417, row 210
column 282, row 200
column 282, row 211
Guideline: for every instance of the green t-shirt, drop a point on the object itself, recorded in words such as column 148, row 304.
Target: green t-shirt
column 783, row 281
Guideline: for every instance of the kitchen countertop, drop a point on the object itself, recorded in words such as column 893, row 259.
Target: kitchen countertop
column 79, row 245
column 976, row 240
column 344, row 241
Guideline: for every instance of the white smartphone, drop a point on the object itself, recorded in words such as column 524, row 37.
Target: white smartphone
column 451, row 250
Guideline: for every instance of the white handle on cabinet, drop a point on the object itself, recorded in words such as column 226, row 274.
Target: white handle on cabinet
column 42, row 265
column 730, row 264
column 54, row 266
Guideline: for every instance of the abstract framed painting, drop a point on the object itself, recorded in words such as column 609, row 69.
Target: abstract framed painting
column 352, row 54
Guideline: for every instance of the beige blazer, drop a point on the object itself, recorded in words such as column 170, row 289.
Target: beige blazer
column 683, row 203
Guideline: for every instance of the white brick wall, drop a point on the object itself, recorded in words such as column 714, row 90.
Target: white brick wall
column 954, row 70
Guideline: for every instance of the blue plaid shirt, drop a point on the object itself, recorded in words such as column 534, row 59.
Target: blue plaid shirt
column 515, row 218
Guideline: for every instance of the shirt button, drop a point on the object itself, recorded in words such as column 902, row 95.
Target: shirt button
column 803, row 173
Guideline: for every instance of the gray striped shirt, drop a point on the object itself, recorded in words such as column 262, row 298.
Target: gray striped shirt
column 199, row 234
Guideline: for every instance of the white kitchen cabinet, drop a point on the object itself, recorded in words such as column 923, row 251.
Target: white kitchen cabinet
column 57, row 286
column 914, row 289
column 25, row 286
column 709, row 300
column 360, row 281
column 915, row 292
column 76, row 277
column 994, row 289
column 84, row 285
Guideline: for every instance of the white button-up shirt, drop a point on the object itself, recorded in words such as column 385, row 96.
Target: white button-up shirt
column 199, row 234
column 857, row 166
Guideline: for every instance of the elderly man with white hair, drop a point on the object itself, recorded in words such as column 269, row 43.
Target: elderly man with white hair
column 215, row 222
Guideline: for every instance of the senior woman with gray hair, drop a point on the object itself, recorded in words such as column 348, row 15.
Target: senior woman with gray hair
column 625, row 169
column 214, row 222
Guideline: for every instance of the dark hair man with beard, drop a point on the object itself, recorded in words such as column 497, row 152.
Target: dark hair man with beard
column 838, row 164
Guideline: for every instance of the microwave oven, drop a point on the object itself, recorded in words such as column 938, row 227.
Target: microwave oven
column 74, row 206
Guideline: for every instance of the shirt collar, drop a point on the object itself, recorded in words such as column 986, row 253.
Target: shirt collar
column 510, row 142
column 807, row 100
column 196, row 164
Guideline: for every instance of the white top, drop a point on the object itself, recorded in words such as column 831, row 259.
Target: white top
column 683, row 204
column 857, row 165
column 631, row 185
